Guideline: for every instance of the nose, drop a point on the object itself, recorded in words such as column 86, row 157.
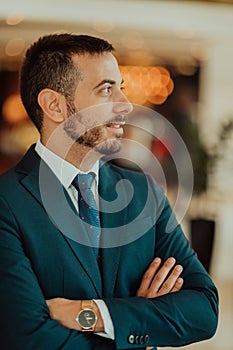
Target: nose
column 122, row 104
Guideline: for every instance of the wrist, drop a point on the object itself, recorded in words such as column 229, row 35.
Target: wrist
column 88, row 318
column 99, row 327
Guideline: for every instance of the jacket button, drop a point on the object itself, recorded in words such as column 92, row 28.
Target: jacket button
column 146, row 338
column 131, row 339
column 142, row 339
column 137, row 339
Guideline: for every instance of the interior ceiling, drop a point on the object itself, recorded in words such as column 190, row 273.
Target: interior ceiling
column 161, row 30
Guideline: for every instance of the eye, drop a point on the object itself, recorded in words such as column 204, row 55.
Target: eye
column 107, row 90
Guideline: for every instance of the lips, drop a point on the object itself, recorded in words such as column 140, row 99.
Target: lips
column 117, row 122
column 115, row 125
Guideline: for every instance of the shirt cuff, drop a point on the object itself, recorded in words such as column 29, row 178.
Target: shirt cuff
column 108, row 325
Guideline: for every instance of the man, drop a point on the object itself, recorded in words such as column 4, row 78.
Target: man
column 55, row 291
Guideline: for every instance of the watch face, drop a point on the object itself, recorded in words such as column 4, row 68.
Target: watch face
column 87, row 318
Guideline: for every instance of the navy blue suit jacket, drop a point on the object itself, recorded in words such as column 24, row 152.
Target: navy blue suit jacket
column 39, row 261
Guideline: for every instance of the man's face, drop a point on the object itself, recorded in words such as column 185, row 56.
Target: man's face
column 99, row 104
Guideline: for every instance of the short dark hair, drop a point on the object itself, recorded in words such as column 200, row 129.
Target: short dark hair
column 48, row 64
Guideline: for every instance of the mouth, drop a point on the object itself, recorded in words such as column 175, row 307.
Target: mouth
column 117, row 122
column 115, row 125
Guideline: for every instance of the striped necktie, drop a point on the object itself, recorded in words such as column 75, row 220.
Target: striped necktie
column 88, row 211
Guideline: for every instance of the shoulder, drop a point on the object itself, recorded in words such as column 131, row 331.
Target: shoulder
column 122, row 173
column 7, row 177
column 138, row 179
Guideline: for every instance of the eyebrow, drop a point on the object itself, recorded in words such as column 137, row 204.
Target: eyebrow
column 109, row 81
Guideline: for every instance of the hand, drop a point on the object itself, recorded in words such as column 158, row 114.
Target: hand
column 65, row 312
column 156, row 281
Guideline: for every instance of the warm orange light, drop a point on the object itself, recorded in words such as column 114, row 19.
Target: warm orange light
column 163, row 71
column 15, row 47
column 158, row 99
column 170, row 86
column 165, row 79
column 13, row 110
column 137, row 98
column 151, row 83
column 14, row 18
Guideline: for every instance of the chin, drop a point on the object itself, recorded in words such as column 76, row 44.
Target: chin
column 110, row 146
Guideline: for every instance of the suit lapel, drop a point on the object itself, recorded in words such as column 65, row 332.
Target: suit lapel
column 112, row 250
column 40, row 181
column 87, row 259
column 84, row 252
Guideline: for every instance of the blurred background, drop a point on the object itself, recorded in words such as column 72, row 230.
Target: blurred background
column 176, row 58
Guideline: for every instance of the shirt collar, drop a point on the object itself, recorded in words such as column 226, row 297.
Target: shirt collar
column 64, row 171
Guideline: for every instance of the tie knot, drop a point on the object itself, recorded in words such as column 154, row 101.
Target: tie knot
column 83, row 181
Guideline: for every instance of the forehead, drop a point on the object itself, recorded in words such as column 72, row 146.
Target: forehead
column 95, row 68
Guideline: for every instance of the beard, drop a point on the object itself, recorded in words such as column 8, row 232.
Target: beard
column 83, row 131
column 109, row 146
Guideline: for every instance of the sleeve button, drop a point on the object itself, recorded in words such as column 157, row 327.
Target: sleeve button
column 137, row 339
column 131, row 339
column 146, row 338
column 141, row 339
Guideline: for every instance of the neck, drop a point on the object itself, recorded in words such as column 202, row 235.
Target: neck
column 80, row 156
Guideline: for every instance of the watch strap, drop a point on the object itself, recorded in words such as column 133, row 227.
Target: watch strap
column 87, row 304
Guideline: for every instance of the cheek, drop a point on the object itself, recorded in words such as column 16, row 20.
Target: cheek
column 86, row 100
column 99, row 106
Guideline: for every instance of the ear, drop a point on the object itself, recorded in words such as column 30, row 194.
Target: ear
column 53, row 105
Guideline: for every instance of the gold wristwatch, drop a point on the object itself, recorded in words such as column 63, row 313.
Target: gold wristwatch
column 87, row 317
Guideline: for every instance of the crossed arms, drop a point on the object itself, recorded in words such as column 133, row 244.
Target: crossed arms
column 157, row 280
column 171, row 313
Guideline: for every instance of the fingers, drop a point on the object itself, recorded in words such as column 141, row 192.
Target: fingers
column 178, row 285
column 148, row 277
column 159, row 280
column 172, row 283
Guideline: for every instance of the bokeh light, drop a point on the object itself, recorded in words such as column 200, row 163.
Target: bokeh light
column 151, row 83
column 13, row 110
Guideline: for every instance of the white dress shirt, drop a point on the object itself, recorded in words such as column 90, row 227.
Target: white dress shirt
column 66, row 172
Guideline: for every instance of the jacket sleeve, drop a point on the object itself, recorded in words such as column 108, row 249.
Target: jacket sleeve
column 24, row 318
column 175, row 319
